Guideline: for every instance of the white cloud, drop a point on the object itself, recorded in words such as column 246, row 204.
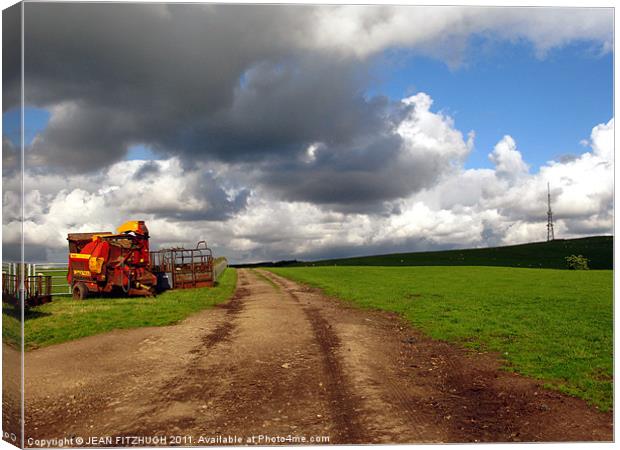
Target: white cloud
column 365, row 30
column 507, row 159
column 464, row 208
column 432, row 135
column 602, row 139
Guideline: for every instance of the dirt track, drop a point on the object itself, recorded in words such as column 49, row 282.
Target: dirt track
column 281, row 360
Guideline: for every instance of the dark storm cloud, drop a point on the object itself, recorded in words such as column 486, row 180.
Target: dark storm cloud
column 279, row 108
column 208, row 83
column 34, row 252
column 154, row 74
column 356, row 177
column 79, row 138
column 11, row 56
column 185, row 79
column 10, row 157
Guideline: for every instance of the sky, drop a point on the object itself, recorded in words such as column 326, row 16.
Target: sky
column 305, row 132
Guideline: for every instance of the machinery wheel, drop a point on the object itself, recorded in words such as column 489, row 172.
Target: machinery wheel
column 80, row 291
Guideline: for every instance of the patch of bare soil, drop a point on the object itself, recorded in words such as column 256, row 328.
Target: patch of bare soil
column 11, row 395
column 281, row 363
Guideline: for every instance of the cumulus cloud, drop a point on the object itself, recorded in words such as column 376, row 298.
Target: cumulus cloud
column 507, row 159
column 602, row 139
column 466, row 207
column 364, row 30
column 159, row 191
column 415, row 148
column 473, row 207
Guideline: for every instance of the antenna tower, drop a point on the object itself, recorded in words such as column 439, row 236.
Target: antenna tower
column 550, row 236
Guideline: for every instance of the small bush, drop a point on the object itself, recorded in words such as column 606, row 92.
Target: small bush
column 577, row 262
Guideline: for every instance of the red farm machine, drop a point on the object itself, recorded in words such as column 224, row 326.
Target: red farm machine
column 108, row 262
column 121, row 263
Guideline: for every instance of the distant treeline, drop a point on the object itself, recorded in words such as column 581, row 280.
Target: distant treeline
column 548, row 255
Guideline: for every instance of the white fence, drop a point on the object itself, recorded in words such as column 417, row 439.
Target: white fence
column 219, row 269
column 9, row 268
column 58, row 272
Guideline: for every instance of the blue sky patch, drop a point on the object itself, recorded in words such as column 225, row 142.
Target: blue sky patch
column 547, row 105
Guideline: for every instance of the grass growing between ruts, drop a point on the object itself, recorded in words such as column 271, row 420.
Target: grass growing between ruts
column 65, row 319
column 554, row 325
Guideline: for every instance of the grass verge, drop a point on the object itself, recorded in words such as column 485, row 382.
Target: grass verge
column 65, row 319
column 554, row 325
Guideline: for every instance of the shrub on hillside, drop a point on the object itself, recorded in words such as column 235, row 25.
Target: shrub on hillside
column 577, row 262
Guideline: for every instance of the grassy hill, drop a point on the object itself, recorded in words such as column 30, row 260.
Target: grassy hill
column 550, row 255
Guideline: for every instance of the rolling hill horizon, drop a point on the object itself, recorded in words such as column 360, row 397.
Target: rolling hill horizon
column 550, row 255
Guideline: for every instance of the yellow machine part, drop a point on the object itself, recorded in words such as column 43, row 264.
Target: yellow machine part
column 95, row 264
column 132, row 225
column 78, row 256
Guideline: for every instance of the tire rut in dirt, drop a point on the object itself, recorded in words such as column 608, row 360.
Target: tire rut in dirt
column 343, row 404
column 356, row 417
column 184, row 388
column 222, row 332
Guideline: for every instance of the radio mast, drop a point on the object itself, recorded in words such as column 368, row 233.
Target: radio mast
column 550, row 235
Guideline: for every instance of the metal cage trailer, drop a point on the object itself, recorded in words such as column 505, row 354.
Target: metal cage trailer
column 37, row 289
column 181, row 268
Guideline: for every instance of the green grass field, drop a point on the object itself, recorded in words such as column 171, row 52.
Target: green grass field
column 549, row 255
column 554, row 325
column 65, row 319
